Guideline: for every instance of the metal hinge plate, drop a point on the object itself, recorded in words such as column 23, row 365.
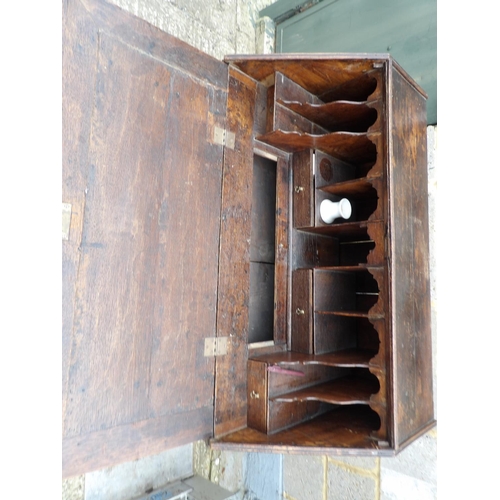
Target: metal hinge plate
column 224, row 137
column 215, row 346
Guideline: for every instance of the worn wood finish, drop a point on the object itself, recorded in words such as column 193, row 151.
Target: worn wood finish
column 266, row 387
column 347, row 358
column 303, row 377
column 288, row 90
column 286, row 119
column 303, row 185
column 409, row 233
column 338, row 115
column 341, row 391
column 257, row 395
column 334, row 291
column 261, row 302
column 161, row 257
column 234, row 260
column 317, row 73
column 348, row 427
column 79, row 46
column 282, row 218
column 342, row 229
column 289, row 121
column 353, row 188
column 302, row 318
column 262, row 237
column 351, row 147
column 104, row 448
column 355, row 253
column 368, row 86
column 329, row 170
column 123, row 375
column 284, row 415
column 332, row 334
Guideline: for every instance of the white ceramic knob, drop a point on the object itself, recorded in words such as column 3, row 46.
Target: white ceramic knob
column 331, row 210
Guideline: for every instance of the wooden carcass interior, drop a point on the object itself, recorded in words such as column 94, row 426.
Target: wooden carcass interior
column 195, row 188
column 331, row 378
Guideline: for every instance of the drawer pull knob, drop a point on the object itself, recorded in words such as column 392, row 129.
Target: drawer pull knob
column 298, row 189
column 299, row 311
column 254, row 395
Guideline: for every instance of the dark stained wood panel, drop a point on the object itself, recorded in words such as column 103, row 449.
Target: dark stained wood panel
column 155, row 435
column 409, row 233
column 349, row 358
column 353, row 147
column 317, row 73
column 283, row 214
column 302, row 317
column 257, row 395
column 170, row 244
column 347, row 426
column 135, row 299
column 342, row 229
column 347, row 116
column 261, row 302
column 80, row 65
column 234, row 268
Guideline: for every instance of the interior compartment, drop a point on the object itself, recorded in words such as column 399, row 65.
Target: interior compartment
column 352, row 253
column 283, row 394
column 355, row 148
column 344, row 292
column 333, row 137
column 339, row 299
column 363, row 205
column 330, row 171
column 336, row 116
column 262, row 251
column 355, row 89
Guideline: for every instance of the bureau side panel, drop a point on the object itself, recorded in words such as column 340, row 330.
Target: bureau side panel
column 409, row 262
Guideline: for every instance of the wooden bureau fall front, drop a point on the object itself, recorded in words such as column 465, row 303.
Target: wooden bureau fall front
column 204, row 296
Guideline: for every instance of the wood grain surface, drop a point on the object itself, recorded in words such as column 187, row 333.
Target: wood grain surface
column 140, row 169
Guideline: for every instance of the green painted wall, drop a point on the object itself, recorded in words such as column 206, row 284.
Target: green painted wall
column 405, row 28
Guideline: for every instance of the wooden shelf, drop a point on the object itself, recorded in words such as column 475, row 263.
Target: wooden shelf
column 346, row 228
column 336, row 116
column 353, row 314
column 341, row 391
column 353, row 188
column 352, row 269
column 351, row 147
column 347, row 358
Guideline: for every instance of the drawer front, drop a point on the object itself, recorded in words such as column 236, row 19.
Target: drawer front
column 302, row 300
column 303, row 212
column 257, row 395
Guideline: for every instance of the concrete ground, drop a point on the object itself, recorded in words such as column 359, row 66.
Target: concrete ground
column 220, row 27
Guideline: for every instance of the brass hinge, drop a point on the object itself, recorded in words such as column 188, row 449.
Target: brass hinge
column 224, row 137
column 215, row 346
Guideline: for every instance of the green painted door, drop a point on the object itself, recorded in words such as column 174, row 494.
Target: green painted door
column 405, row 28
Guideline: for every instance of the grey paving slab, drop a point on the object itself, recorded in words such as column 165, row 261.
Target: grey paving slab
column 264, row 476
column 344, row 484
column 303, row 477
column 397, row 486
column 367, row 463
column 133, row 479
column 418, row 460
